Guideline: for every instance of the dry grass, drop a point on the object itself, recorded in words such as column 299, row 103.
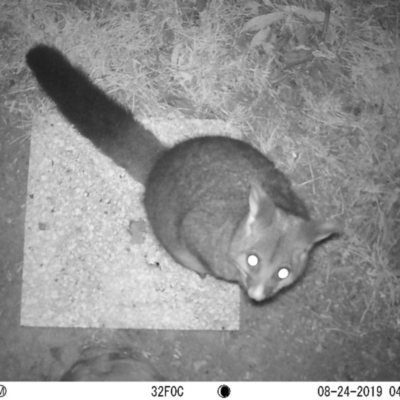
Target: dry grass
column 326, row 111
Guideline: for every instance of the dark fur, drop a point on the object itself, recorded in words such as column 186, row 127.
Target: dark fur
column 109, row 125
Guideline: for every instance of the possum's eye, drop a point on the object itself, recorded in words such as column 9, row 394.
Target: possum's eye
column 252, row 260
column 283, row 273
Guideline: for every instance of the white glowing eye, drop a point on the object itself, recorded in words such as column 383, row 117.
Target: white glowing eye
column 252, row 260
column 283, row 273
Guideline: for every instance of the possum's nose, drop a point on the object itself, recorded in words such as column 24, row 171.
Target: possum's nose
column 260, row 292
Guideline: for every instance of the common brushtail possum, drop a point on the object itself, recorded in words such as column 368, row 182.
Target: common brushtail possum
column 217, row 205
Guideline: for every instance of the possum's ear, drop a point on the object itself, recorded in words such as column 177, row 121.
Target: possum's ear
column 316, row 231
column 261, row 208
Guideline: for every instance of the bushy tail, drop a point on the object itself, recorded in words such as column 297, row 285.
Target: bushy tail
column 107, row 124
